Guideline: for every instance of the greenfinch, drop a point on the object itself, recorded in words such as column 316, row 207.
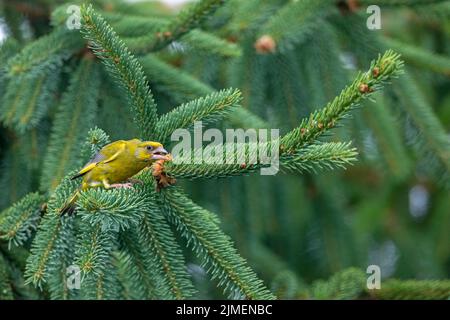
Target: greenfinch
column 115, row 164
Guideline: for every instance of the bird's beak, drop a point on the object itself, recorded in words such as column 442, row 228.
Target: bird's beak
column 160, row 154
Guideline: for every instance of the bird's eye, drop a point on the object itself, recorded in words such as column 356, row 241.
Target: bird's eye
column 149, row 148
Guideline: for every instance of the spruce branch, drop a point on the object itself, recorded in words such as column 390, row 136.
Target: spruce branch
column 435, row 13
column 204, row 42
column 383, row 124
column 344, row 285
column 126, row 241
column 73, row 120
column 412, row 290
column 182, row 87
column 139, row 32
column 199, row 227
column 94, row 249
column 120, row 210
column 136, row 268
column 49, row 247
column 12, row 263
column 351, row 284
column 310, row 158
column 185, row 21
column 97, row 139
column 420, row 57
column 174, row 281
column 21, row 219
column 291, row 25
column 119, row 61
column 46, row 53
column 321, row 156
column 64, row 256
column 248, row 16
column 432, row 135
column 94, row 257
column 381, row 70
column 15, row 174
column 111, row 209
column 292, row 144
column 195, row 41
column 180, row 84
column 205, row 109
column 135, row 26
column 27, row 100
column 42, row 250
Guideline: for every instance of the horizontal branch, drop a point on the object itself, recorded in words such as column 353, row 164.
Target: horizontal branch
column 321, row 156
column 292, row 146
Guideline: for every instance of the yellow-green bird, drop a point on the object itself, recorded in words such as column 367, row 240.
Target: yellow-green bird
column 115, row 164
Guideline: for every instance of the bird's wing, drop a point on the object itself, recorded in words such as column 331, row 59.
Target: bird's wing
column 105, row 155
column 113, row 150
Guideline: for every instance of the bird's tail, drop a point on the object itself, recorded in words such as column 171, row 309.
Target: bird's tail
column 69, row 207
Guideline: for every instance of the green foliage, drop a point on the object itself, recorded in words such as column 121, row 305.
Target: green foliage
column 320, row 156
column 124, row 72
column 420, row 57
column 5, row 282
column 168, row 79
column 94, row 257
column 15, row 174
column 294, row 22
column 28, row 99
column 169, row 262
column 21, row 219
column 351, row 284
column 123, row 65
column 185, row 21
column 380, row 71
column 413, row 290
column 200, row 229
column 76, row 114
column 205, row 109
column 42, row 252
column 347, row 284
column 382, row 122
column 44, row 54
column 202, row 42
column 97, row 138
column 430, row 133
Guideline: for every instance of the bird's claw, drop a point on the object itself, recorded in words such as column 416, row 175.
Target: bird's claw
column 127, row 185
column 135, row 181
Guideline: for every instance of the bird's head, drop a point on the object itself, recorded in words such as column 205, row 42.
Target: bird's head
column 150, row 150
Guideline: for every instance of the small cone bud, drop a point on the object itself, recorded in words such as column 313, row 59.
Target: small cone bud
column 363, row 88
column 265, row 44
